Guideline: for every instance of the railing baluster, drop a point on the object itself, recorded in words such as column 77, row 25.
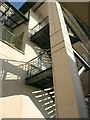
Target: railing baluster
column 38, row 64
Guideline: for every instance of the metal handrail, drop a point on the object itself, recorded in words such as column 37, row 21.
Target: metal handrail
column 38, row 64
column 48, row 51
column 81, row 59
column 35, row 65
column 40, row 22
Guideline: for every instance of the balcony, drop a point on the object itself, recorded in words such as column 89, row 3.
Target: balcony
column 11, row 39
column 10, row 18
column 39, row 72
column 40, row 34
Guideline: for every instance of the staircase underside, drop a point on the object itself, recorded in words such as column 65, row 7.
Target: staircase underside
column 41, row 80
column 41, row 38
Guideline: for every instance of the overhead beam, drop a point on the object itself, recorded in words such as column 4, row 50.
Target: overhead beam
column 79, row 10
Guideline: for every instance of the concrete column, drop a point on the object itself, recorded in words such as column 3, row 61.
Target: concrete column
column 69, row 96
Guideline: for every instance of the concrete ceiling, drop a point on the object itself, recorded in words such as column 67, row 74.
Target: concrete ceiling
column 79, row 9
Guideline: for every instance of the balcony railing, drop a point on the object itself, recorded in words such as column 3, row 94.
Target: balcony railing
column 39, row 26
column 10, row 38
column 43, row 62
column 38, row 64
column 81, row 61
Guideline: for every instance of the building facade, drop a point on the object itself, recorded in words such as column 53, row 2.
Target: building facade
column 45, row 61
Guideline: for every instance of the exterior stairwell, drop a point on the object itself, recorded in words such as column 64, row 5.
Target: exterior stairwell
column 39, row 69
column 39, row 75
column 39, row 72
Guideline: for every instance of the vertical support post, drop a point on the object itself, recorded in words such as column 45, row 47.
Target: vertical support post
column 69, row 97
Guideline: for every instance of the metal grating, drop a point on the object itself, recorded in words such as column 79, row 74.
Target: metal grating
column 10, row 16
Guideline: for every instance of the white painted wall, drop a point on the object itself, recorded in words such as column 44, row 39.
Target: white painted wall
column 13, row 83
column 13, row 103
column 19, row 106
column 34, row 19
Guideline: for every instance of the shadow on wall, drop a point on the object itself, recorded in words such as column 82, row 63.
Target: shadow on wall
column 34, row 47
column 13, row 83
column 46, row 99
column 12, row 76
column 43, row 99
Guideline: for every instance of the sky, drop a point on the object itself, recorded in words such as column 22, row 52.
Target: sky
column 17, row 4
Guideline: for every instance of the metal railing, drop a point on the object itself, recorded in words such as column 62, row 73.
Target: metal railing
column 39, row 26
column 10, row 38
column 43, row 62
column 82, row 59
column 38, row 64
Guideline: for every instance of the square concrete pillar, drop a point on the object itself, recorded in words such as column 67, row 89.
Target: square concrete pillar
column 69, row 97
